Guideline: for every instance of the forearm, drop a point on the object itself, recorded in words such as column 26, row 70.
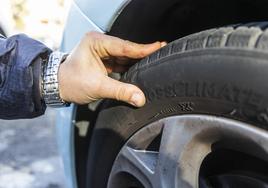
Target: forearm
column 20, row 71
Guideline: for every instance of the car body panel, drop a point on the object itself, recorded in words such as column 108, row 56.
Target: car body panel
column 102, row 12
column 76, row 26
column 78, row 23
column 65, row 139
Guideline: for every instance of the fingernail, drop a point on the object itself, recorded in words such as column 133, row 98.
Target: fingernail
column 136, row 99
column 163, row 44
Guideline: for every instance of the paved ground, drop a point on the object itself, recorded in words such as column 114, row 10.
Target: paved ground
column 28, row 154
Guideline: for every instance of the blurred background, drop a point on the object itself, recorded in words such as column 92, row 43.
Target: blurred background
column 42, row 20
column 28, row 148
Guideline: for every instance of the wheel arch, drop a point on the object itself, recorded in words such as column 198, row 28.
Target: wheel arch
column 148, row 21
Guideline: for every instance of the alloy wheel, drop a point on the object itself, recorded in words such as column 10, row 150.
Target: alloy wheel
column 180, row 151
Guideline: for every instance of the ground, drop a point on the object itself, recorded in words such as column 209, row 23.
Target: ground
column 28, row 154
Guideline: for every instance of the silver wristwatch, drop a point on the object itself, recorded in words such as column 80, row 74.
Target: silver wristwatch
column 50, row 84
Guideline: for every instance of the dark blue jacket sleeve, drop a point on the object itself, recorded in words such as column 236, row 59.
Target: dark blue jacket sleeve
column 20, row 70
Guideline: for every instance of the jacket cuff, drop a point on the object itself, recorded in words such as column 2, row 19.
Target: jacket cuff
column 37, row 68
column 21, row 59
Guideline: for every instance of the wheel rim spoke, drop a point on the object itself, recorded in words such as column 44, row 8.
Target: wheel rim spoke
column 139, row 163
column 167, row 167
column 176, row 165
column 142, row 160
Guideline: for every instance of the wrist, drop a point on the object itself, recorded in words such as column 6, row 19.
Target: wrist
column 62, row 80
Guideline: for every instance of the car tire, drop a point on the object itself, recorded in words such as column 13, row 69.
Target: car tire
column 219, row 72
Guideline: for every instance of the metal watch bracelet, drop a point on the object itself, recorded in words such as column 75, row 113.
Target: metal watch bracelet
column 50, row 84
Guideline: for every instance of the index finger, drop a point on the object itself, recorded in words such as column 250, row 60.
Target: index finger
column 114, row 46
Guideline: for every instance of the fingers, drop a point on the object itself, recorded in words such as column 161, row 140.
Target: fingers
column 106, row 46
column 123, row 48
column 114, row 89
column 136, row 51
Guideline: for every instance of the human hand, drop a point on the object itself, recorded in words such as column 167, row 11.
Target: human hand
column 83, row 77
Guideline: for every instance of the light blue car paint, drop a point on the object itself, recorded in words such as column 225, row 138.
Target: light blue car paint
column 102, row 12
column 65, row 138
column 84, row 16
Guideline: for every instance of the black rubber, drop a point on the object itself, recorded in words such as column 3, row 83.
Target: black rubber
column 221, row 72
column 140, row 22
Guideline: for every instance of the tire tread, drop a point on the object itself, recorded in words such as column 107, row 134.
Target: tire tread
column 252, row 36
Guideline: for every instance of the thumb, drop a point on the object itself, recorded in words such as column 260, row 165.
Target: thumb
column 113, row 89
